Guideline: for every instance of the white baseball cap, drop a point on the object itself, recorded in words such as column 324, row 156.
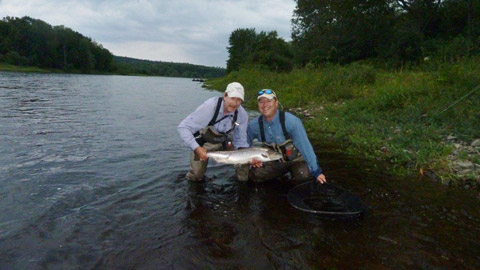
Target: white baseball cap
column 235, row 89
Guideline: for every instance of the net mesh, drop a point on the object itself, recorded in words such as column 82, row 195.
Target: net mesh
column 326, row 199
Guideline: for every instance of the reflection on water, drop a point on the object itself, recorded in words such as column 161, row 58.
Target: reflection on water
column 91, row 176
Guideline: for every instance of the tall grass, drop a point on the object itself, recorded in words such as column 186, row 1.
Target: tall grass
column 7, row 67
column 395, row 115
column 302, row 86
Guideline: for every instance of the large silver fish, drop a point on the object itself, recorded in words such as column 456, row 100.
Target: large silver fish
column 244, row 156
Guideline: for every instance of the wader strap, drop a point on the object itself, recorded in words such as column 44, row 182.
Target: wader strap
column 217, row 110
column 282, row 122
column 212, row 122
column 233, row 122
column 260, row 124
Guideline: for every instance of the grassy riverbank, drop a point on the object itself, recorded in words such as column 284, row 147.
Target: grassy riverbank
column 408, row 117
column 134, row 70
column 7, row 67
column 13, row 68
column 34, row 69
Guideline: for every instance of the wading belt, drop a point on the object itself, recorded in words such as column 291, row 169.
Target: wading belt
column 282, row 122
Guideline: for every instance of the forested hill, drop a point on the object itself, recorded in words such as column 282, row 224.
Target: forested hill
column 31, row 42
column 126, row 65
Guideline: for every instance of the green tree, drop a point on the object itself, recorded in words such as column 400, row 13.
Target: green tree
column 103, row 57
column 340, row 31
column 396, row 30
column 65, row 43
column 85, row 60
column 5, row 43
column 266, row 49
column 242, row 42
column 271, row 51
column 33, row 42
column 43, row 48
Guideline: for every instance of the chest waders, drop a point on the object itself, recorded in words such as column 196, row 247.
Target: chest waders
column 210, row 135
column 287, row 148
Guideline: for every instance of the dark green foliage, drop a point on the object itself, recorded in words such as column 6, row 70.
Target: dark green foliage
column 247, row 48
column 393, row 31
column 272, row 51
column 13, row 58
column 340, row 31
column 30, row 42
column 242, row 44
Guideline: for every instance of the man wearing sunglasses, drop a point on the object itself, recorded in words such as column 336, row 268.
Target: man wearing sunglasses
column 284, row 133
column 220, row 123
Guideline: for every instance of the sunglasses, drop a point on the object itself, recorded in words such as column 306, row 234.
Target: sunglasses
column 266, row 91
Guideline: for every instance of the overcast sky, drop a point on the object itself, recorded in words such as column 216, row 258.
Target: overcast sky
column 194, row 31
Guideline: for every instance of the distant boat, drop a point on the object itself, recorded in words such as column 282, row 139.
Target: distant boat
column 198, row 80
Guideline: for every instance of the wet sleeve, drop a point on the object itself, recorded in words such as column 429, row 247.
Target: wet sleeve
column 195, row 121
column 301, row 142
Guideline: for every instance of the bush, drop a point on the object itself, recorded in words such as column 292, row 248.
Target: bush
column 455, row 50
column 14, row 58
column 337, row 82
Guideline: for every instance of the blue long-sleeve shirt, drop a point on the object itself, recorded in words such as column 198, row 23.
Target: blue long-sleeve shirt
column 274, row 134
column 200, row 118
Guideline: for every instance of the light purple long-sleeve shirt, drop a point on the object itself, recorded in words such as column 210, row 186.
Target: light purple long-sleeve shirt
column 200, row 118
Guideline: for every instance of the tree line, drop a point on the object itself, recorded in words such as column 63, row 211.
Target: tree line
column 31, row 42
column 395, row 32
column 126, row 65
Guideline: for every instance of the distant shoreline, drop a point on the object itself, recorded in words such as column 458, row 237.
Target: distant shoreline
column 33, row 69
column 13, row 68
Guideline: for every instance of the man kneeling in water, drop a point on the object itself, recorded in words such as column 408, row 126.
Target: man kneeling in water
column 282, row 132
column 220, row 123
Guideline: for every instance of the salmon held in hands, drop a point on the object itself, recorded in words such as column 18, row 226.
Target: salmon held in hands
column 244, row 156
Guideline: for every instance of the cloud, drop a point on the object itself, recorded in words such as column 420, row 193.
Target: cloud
column 150, row 51
column 180, row 31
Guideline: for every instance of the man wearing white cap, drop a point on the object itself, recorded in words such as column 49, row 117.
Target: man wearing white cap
column 220, row 123
column 284, row 133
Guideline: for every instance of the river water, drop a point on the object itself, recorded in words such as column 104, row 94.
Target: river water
column 91, row 177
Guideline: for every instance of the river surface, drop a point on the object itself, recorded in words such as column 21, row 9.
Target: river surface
column 91, row 177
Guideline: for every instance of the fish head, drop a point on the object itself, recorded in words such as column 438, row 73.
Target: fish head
column 271, row 155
